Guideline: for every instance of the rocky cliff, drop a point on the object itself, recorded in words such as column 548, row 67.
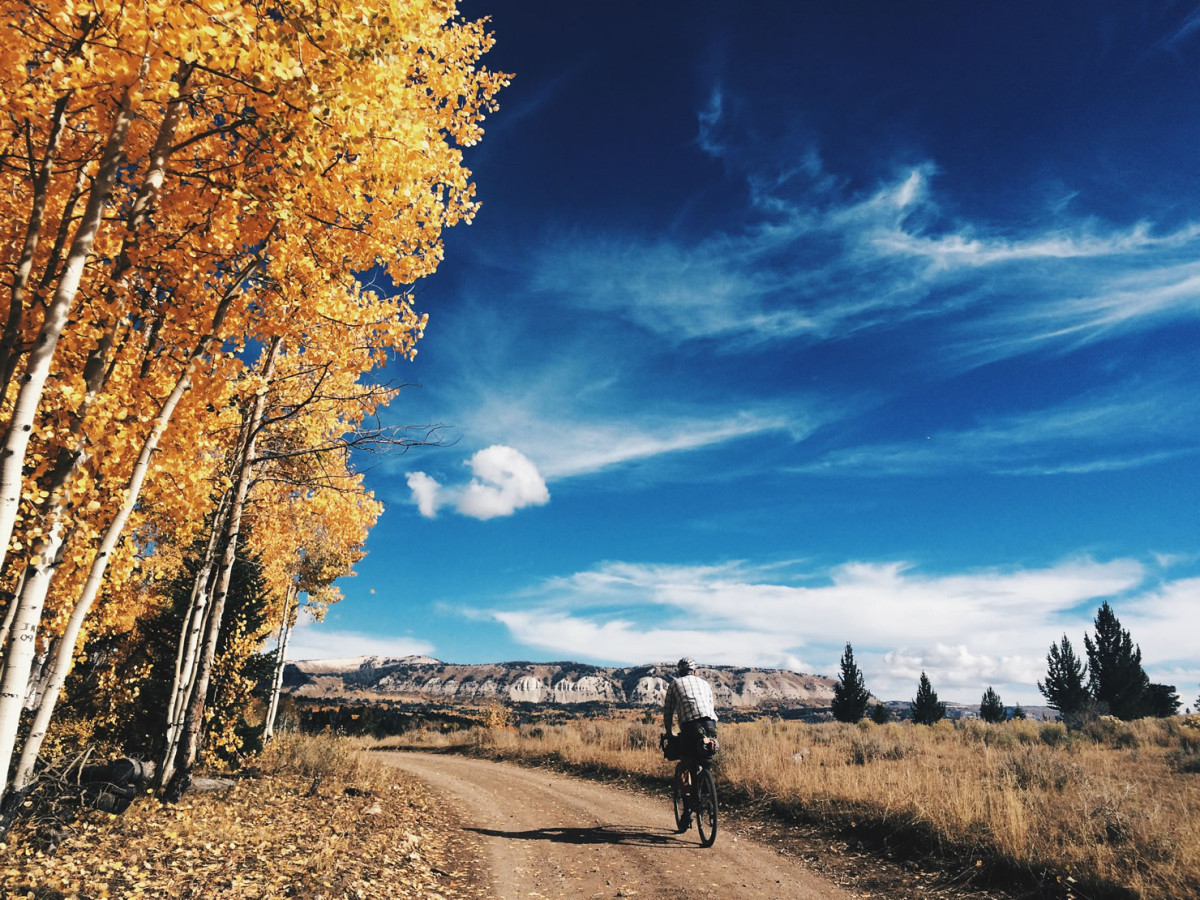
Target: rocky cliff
column 559, row 683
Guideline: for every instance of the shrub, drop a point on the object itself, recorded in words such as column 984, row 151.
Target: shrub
column 1053, row 734
column 1111, row 731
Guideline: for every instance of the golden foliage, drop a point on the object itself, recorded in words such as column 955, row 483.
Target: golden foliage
column 274, row 151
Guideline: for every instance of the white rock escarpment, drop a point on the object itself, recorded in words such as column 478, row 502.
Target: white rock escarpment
column 561, row 683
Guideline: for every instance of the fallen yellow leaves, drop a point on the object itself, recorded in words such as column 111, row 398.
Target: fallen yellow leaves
column 267, row 837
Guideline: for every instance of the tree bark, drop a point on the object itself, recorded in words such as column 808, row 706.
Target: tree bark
column 33, row 234
column 285, row 634
column 62, row 663
column 37, row 368
column 178, row 765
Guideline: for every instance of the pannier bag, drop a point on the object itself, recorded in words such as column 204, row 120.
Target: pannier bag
column 672, row 747
column 675, row 746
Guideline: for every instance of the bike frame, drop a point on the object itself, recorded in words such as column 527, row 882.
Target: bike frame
column 694, row 789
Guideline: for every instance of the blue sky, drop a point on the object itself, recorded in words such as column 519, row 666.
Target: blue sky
column 788, row 324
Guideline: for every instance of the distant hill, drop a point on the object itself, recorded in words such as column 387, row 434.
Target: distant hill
column 555, row 683
column 571, row 683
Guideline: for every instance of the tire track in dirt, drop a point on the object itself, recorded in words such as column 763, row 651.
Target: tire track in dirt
column 545, row 835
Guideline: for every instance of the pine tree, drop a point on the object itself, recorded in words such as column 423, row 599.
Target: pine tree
column 850, row 695
column 1018, row 713
column 925, row 708
column 880, row 714
column 1117, row 678
column 1162, row 700
column 143, row 669
column 991, row 707
column 1064, row 687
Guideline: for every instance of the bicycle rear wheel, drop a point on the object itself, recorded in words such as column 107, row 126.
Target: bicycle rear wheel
column 682, row 816
column 706, row 808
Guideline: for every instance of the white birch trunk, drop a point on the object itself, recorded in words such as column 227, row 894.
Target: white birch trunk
column 22, row 640
column 66, row 645
column 9, row 615
column 187, row 657
column 187, row 654
column 179, row 760
column 29, row 395
column 18, row 660
column 33, row 234
column 108, row 543
column 285, row 634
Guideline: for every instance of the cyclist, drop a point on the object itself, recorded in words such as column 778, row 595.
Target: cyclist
column 689, row 702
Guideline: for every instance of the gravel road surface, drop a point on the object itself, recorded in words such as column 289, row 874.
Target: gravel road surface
column 544, row 835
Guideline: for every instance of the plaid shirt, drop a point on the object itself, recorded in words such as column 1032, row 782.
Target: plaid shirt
column 688, row 698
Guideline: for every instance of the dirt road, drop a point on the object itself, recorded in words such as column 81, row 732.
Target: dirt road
column 543, row 835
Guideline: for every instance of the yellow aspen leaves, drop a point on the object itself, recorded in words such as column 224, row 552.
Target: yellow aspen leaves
column 273, row 151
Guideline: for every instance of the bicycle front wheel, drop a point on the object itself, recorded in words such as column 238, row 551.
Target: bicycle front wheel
column 706, row 808
column 680, row 804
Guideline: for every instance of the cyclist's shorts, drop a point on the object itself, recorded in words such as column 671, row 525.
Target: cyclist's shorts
column 699, row 738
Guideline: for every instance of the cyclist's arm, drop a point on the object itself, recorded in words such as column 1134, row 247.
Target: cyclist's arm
column 669, row 708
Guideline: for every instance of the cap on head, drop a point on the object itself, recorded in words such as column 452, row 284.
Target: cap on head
column 685, row 666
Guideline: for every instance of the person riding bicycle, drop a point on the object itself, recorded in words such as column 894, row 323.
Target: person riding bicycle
column 689, row 702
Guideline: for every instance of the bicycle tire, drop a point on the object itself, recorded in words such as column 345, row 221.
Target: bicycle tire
column 706, row 808
column 680, row 806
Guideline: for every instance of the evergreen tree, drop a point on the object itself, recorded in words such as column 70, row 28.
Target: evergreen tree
column 144, row 660
column 880, row 714
column 1162, row 700
column 1117, row 678
column 1018, row 712
column 850, row 695
column 991, row 707
column 1064, row 687
column 925, row 707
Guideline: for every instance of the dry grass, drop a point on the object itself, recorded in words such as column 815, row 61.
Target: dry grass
column 1114, row 806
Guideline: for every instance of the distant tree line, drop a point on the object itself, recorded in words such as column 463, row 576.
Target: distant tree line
column 375, row 720
column 1111, row 682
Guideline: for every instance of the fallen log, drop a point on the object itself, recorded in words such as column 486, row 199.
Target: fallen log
column 112, row 786
column 58, row 793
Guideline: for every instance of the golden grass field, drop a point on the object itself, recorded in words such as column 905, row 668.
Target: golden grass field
column 1110, row 810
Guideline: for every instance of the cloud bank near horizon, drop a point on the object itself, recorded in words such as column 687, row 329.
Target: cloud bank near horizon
column 967, row 630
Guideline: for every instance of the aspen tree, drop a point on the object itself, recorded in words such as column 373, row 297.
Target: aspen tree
column 304, row 142
column 183, row 742
column 287, row 619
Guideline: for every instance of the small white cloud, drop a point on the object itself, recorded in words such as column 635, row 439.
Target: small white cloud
column 426, row 493
column 911, row 189
column 505, row 480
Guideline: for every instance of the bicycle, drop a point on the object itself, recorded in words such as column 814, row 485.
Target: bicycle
column 699, row 803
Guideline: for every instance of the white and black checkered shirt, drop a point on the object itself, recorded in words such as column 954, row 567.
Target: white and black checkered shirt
column 688, row 698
